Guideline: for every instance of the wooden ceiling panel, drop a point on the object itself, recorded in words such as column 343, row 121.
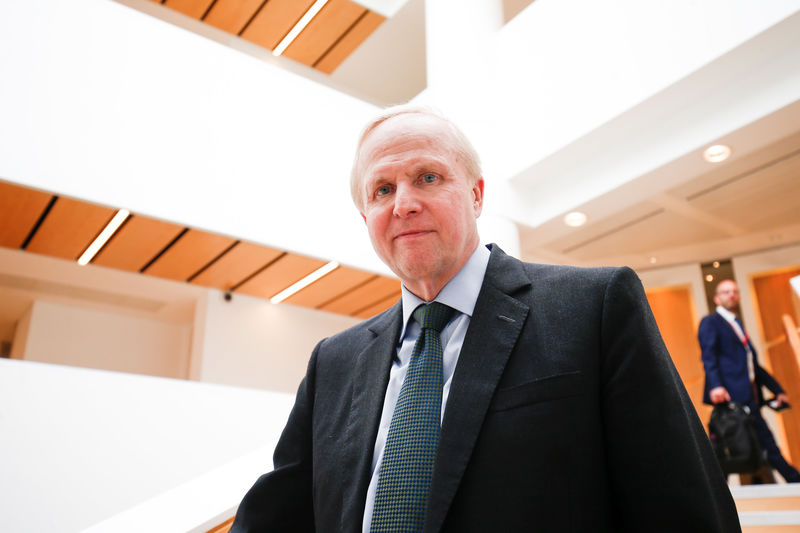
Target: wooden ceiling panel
column 380, row 306
column 232, row 15
column 280, row 275
column 214, row 260
column 69, row 228
column 20, row 208
column 363, row 296
column 329, row 287
column 194, row 250
column 322, row 33
column 274, row 21
column 136, row 243
column 238, row 263
column 192, row 8
column 362, row 29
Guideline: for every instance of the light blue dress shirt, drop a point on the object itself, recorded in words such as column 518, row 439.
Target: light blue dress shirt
column 460, row 293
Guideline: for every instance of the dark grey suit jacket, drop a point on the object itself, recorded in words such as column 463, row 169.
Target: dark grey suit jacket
column 565, row 414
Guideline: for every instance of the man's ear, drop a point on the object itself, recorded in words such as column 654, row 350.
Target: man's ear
column 477, row 195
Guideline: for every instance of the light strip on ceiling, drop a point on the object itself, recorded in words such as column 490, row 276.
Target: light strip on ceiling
column 106, row 234
column 300, row 26
column 305, row 282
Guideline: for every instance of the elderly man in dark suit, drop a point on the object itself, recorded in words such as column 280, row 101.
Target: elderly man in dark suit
column 733, row 373
column 525, row 397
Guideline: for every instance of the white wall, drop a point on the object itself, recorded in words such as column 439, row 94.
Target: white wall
column 80, row 446
column 102, row 318
column 253, row 343
column 77, row 336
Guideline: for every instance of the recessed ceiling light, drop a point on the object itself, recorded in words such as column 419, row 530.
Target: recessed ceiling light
column 653, row 260
column 575, row 219
column 709, row 278
column 300, row 26
column 717, row 153
column 303, row 283
column 101, row 239
column 716, row 264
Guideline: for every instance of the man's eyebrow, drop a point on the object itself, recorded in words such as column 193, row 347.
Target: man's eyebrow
column 427, row 164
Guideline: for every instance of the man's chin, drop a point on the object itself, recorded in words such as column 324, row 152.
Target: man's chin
column 419, row 267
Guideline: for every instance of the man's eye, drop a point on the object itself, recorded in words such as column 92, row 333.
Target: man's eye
column 383, row 190
column 429, row 178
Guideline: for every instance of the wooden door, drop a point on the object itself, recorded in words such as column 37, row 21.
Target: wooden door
column 772, row 299
column 674, row 310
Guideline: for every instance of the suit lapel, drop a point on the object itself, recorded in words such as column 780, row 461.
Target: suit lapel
column 371, row 375
column 493, row 331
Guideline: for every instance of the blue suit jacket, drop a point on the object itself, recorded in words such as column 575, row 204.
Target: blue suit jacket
column 725, row 362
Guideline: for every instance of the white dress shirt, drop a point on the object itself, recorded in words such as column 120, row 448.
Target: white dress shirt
column 460, row 293
column 745, row 340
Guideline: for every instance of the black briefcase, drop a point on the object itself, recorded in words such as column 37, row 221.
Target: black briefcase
column 734, row 439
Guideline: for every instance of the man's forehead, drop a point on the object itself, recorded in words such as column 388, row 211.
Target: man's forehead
column 412, row 165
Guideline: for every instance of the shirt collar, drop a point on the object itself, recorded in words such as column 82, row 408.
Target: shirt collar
column 460, row 293
column 727, row 315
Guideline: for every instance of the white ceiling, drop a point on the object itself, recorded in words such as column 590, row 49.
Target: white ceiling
column 749, row 203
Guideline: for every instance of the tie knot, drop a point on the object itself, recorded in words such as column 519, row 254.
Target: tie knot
column 433, row 315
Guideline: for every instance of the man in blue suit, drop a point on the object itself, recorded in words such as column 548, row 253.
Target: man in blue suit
column 733, row 373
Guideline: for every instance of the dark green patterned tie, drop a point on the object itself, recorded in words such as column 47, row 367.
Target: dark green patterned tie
column 407, row 466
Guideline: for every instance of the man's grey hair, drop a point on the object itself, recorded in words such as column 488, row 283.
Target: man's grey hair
column 464, row 148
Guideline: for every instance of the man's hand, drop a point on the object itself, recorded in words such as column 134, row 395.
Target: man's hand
column 720, row 394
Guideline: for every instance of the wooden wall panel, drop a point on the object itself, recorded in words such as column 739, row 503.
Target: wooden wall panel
column 239, row 262
column 192, row 8
column 20, row 208
column 364, row 296
column 136, row 243
column 673, row 309
column 368, row 23
column 194, row 250
column 69, row 228
column 232, row 15
column 274, row 21
column 774, row 295
column 773, row 299
column 329, row 287
column 280, row 275
column 324, row 30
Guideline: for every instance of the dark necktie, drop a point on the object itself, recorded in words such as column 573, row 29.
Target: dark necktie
column 410, row 451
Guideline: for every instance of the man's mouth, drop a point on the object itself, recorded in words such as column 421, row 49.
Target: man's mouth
column 412, row 233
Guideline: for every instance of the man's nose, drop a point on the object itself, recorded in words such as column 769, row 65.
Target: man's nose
column 406, row 201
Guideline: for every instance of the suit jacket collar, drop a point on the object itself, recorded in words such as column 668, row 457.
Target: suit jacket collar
column 493, row 331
